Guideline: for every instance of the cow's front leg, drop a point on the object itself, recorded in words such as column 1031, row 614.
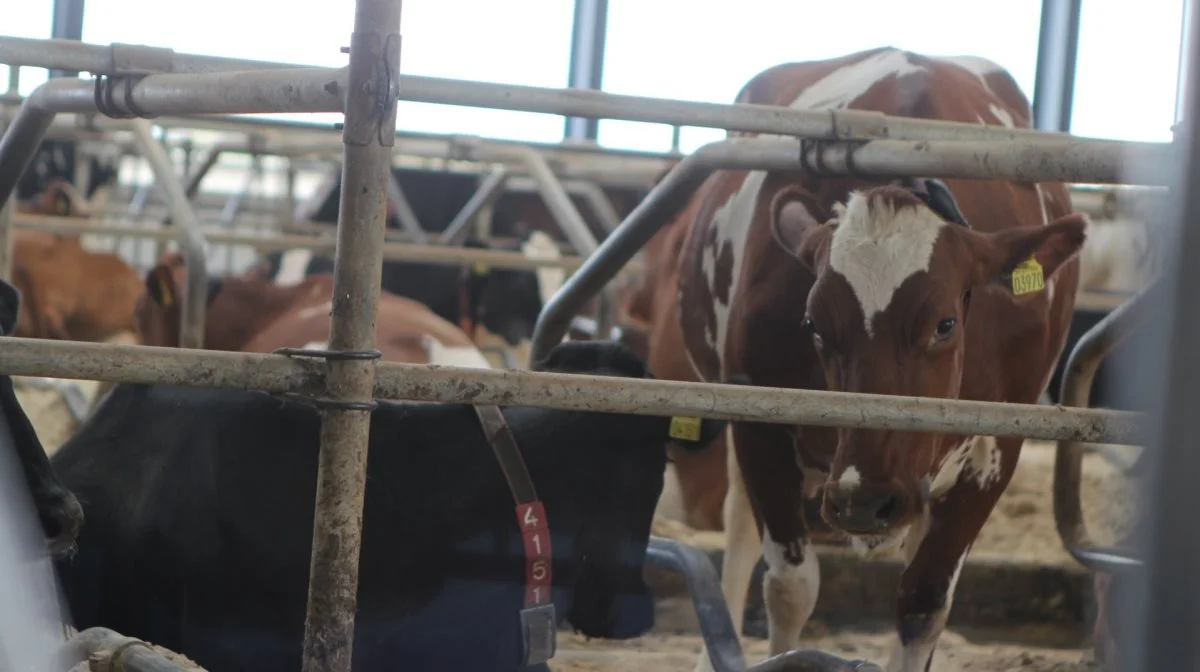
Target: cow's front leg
column 927, row 584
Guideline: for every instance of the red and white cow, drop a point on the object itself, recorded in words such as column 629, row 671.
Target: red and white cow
column 874, row 286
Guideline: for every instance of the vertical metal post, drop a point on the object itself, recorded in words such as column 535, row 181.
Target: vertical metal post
column 1054, row 83
column 368, row 136
column 67, row 25
column 587, row 61
column 1164, row 602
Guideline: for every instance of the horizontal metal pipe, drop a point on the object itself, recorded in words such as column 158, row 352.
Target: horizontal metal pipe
column 567, row 102
column 1027, row 160
column 431, row 254
column 275, row 373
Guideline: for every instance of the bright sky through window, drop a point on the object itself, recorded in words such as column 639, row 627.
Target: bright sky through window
column 686, row 49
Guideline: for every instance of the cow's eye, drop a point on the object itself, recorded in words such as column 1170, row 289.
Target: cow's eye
column 945, row 328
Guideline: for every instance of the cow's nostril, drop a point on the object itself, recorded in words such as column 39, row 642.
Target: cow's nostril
column 886, row 509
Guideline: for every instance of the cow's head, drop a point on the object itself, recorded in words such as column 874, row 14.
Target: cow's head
column 158, row 312
column 616, row 483
column 506, row 301
column 895, row 271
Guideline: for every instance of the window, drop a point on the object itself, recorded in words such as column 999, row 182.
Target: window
column 1128, row 62
column 519, row 42
column 28, row 19
column 670, row 49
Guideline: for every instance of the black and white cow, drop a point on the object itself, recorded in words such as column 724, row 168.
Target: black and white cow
column 200, row 509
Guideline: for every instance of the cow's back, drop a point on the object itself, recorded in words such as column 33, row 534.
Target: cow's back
column 731, row 251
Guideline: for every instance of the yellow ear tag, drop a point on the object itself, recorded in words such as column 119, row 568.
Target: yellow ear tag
column 165, row 291
column 479, row 268
column 684, row 429
column 1028, row 277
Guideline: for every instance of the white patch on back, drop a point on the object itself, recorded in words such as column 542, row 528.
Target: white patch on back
column 323, row 309
column 876, row 248
column 541, row 246
column 292, row 264
column 468, row 356
column 732, row 224
column 1002, row 115
column 976, row 65
column 977, row 457
column 848, row 83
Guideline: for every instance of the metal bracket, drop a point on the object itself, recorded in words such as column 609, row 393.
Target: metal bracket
column 812, row 156
column 330, row 355
column 106, row 105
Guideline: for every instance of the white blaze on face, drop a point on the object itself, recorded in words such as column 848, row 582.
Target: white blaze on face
column 877, row 247
column 850, row 478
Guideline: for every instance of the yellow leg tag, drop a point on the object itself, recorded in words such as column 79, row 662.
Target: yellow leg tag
column 685, row 429
column 1028, row 277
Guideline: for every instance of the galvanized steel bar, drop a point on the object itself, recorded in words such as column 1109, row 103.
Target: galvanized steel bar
column 1070, row 160
column 444, row 384
column 566, row 102
column 404, row 211
column 189, row 236
column 368, row 135
column 308, row 90
column 490, row 188
column 430, row 254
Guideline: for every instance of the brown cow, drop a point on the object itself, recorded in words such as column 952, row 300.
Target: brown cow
column 249, row 313
column 857, row 285
column 71, row 293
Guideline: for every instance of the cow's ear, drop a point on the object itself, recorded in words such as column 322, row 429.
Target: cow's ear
column 10, row 307
column 160, row 286
column 797, row 229
column 1022, row 259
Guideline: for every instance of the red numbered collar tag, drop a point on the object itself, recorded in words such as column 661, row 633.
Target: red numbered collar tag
column 538, row 622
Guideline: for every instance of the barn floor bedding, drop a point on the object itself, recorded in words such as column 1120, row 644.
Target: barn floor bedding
column 677, row 653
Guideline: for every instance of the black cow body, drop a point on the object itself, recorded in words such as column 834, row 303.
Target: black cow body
column 56, row 159
column 200, row 508
column 57, row 508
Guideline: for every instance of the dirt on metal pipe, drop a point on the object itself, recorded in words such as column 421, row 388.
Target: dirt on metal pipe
column 1075, row 392
column 445, row 384
column 368, row 135
column 105, row 649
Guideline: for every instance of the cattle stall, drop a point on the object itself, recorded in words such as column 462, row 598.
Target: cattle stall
column 282, row 374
